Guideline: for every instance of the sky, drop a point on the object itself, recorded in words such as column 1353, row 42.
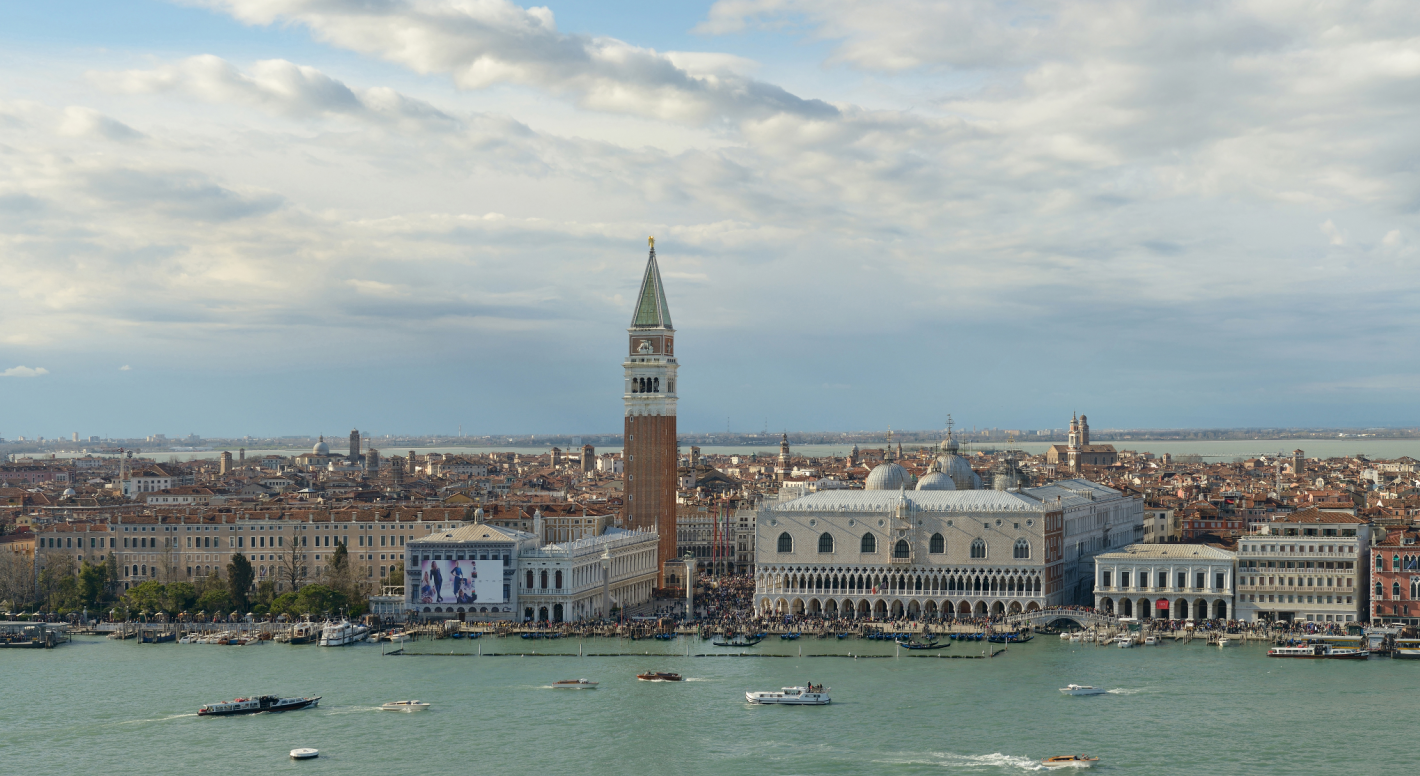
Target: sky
column 268, row 217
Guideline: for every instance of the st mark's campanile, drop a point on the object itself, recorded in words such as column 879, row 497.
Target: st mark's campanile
column 650, row 442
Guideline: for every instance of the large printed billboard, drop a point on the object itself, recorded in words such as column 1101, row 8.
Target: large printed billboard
column 458, row 582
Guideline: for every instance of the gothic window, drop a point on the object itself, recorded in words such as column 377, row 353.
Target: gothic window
column 869, row 544
column 786, row 542
column 1380, row 563
column 1380, row 590
column 1395, row 590
column 1021, row 550
column 656, row 385
column 901, row 549
column 937, row 544
column 825, row 542
column 978, row 549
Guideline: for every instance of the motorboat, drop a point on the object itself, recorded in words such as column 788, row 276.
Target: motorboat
column 342, row 634
column 1151, row 641
column 574, row 684
column 1076, row 637
column 304, row 633
column 812, row 695
column 1224, row 641
column 1124, row 642
column 659, row 676
column 1063, row 637
column 1082, row 689
column 305, row 753
column 188, row 638
column 405, row 706
column 1320, row 652
column 1069, row 761
column 256, row 705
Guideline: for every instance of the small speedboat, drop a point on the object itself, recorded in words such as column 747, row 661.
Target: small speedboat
column 1151, row 641
column 812, row 695
column 305, row 754
column 574, row 684
column 659, row 676
column 1124, row 642
column 404, row 706
column 1082, row 689
column 1069, row 761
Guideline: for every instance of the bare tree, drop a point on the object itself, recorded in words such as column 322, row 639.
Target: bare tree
column 17, row 580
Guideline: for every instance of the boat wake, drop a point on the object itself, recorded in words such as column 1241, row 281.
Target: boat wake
column 154, row 719
column 697, row 679
column 995, row 762
column 1122, row 691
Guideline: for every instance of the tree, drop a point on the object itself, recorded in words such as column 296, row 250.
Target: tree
column 93, row 585
column 111, row 574
column 179, row 597
column 17, row 582
column 291, row 569
column 145, row 597
column 58, row 583
column 239, row 578
column 265, row 594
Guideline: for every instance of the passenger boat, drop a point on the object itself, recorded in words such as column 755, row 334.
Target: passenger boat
column 304, row 633
column 1082, row 689
column 404, row 706
column 342, row 634
column 658, row 676
column 574, row 684
column 743, row 641
column 1320, row 652
column 1069, row 761
column 813, row 695
column 257, row 705
column 305, row 753
column 1407, row 654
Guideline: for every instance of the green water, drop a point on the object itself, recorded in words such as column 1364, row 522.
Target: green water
column 104, row 707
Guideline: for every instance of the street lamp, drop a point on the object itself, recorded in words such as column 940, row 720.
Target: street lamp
column 606, row 582
column 689, row 586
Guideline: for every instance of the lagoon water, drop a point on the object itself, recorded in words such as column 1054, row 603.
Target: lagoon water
column 98, row 706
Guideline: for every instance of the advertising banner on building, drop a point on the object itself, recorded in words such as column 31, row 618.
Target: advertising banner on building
column 458, row 582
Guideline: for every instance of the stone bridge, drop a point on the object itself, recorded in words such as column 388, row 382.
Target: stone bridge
column 1042, row 617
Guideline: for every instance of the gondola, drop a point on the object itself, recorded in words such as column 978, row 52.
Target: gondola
column 1009, row 638
column 909, row 644
column 738, row 641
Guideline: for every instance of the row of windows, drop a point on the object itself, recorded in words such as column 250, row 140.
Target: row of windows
column 1143, row 579
column 935, row 546
column 1395, row 590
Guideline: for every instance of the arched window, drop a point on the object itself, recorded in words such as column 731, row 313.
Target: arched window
column 1395, row 590
column 529, row 584
column 978, row 549
column 1380, row 563
column 1022, row 549
column 901, row 549
column 786, row 542
column 825, row 542
column 870, row 543
column 1380, row 590
column 937, row 545
column 544, row 579
column 558, row 580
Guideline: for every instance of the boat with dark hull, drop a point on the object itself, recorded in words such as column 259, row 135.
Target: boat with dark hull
column 257, row 705
column 1320, row 652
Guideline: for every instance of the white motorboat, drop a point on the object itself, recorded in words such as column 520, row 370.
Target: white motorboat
column 1151, row 641
column 1124, row 642
column 188, row 638
column 1076, row 637
column 1064, row 637
column 1082, row 689
column 574, row 684
column 404, row 706
column 304, row 753
column 813, row 695
column 342, row 634
column 1224, row 641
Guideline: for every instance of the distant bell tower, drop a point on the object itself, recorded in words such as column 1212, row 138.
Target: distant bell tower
column 650, row 435
column 1072, row 450
column 354, row 445
column 783, row 469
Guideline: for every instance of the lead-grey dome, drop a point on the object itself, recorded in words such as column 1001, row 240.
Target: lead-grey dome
column 960, row 471
column 886, row 476
column 321, row 447
column 936, row 479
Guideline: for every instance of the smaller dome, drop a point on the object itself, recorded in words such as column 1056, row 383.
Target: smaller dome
column 936, row 479
column 321, row 447
column 886, row 476
column 70, row 492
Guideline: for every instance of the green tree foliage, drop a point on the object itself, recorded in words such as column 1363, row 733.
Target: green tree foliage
column 239, row 579
column 145, row 597
column 93, row 585
column 215, row 602
column 179, row 597
column 316, row 600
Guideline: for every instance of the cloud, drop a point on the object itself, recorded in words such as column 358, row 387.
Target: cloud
column 24, row 371
column 125, row 368
column 86, row 122
column 489, row 42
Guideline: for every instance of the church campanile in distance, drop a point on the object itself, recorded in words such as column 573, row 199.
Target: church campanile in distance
column 650, row 442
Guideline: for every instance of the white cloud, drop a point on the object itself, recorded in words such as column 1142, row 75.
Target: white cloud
column 125, row 368
column 486, row 42
column 24, row 371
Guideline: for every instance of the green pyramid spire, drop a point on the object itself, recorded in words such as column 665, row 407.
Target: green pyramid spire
column 652, row 312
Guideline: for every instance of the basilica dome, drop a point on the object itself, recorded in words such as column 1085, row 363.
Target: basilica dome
column 321, row 447
column 936, row 479
column 959, row 470
column 886, row 476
